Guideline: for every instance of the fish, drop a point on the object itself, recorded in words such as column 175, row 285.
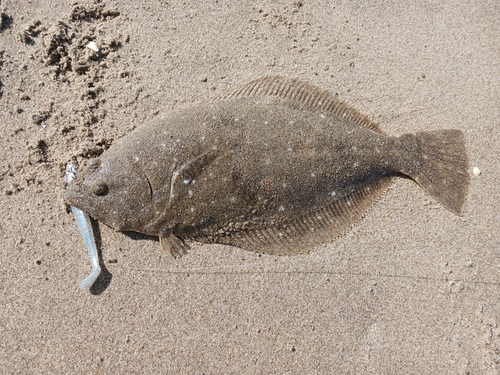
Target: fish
column 276, row 166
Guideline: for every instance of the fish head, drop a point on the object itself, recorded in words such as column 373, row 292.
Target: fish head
column 112, row 190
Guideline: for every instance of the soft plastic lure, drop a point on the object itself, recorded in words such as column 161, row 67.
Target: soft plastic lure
column 85, row 226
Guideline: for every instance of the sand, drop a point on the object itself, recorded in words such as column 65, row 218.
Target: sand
column 410, row 289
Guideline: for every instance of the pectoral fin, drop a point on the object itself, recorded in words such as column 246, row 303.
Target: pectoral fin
column 189, row 171
column 192, row 169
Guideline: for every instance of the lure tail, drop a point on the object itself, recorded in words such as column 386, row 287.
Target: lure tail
column 440, row 166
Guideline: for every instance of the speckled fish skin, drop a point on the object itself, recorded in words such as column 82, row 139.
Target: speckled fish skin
column 262, row 171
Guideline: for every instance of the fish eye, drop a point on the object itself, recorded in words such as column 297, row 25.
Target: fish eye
column 100, row 188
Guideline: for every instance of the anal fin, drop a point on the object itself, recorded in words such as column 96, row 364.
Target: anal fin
column 314, row 228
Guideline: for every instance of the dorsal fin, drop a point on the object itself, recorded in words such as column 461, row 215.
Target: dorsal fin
column 302, row 92
column 312, row 229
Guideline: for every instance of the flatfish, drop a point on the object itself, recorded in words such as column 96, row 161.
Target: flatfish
column 277, row 166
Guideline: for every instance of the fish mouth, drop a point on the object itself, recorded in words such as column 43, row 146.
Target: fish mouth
column 74, row 196
column 70, row 195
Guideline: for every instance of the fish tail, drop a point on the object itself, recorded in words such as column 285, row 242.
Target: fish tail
column 440, row 166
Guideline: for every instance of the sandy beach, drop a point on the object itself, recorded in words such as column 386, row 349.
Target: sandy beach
column 410, row 289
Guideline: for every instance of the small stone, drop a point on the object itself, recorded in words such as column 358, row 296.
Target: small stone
column 92, row 46
column 476, row 171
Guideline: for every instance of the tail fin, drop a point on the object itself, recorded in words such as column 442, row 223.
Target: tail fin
column 442, row 172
